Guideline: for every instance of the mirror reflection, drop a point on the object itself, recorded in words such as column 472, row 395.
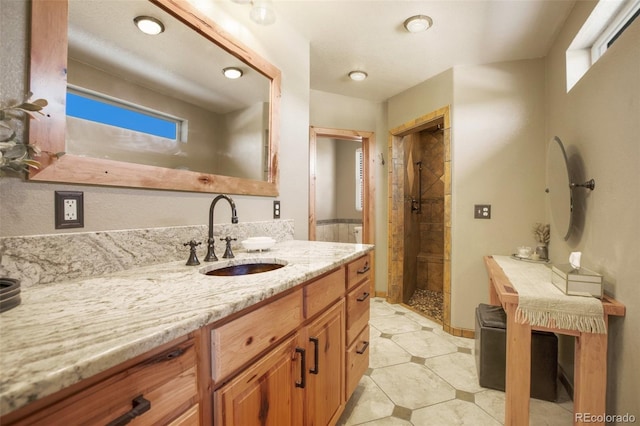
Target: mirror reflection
column 161, row 100
column 559, row 187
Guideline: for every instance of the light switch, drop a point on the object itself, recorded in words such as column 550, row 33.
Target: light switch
column 276, row 209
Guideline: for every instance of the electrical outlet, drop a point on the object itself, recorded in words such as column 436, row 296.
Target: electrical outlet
column 276, row 209
column 482, row 211
column 69, row 209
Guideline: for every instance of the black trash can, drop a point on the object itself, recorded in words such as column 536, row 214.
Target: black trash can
column 490, row 352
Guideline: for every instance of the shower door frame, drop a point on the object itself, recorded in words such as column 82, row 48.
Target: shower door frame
column 396, row 211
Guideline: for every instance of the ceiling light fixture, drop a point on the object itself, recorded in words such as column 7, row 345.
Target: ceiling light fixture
column 262, row 12
column 358, row 75
column 232, row 73
column 418, row 23
column 149, row 25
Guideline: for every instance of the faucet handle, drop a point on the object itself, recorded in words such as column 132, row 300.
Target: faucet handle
column 193, row 258
column 228, row 254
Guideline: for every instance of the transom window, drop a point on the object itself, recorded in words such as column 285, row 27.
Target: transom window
column 607, row 22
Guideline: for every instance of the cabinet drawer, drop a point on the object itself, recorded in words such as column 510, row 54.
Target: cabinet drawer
column 358, row 270
column 167, row 381
column 188, row 418
column 358, row 303
column 357, row 360
column 321, row 293
column 235, row 343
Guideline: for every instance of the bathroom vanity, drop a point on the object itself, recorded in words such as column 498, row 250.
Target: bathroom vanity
column 167, row 344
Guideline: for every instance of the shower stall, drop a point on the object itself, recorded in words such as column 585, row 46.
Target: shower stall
column 424, row 221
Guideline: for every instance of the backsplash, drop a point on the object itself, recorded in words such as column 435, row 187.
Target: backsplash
column 44, row 259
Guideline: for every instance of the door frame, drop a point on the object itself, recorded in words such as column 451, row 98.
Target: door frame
column 368, row 191
column 395, row 216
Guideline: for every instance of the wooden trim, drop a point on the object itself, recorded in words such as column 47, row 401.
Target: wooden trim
column 395, row 252
column 313, row 176
column 368, row 210
column 459, row 332
column 205, row 383
column 48, row 80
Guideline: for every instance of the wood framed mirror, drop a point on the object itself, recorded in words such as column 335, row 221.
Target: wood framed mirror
column 50, row 63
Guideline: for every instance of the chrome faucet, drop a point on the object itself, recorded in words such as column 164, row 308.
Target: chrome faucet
column 211, row 255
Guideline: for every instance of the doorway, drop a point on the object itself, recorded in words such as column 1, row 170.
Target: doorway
column 343, row 143
column 420, row 216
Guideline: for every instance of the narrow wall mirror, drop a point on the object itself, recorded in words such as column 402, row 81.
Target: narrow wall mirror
column 560, row 186
column 208, row 133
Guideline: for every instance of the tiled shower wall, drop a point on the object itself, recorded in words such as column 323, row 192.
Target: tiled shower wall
column 424, row 231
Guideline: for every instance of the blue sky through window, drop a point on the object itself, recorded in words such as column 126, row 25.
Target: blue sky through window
column 107, row 113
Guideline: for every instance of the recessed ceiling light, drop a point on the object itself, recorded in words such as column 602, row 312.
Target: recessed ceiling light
column 358, row 75
column 149, row 25
column 418, row 23
column 232, row 73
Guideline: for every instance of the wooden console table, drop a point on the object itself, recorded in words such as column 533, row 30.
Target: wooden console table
column 590, row 369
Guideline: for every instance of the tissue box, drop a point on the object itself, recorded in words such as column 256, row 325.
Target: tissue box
column 576, row 282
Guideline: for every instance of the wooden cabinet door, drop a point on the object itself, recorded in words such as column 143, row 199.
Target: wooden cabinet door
column 269, row 393
column 325, row 367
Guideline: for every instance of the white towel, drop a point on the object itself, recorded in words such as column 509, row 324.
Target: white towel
column 540, row 303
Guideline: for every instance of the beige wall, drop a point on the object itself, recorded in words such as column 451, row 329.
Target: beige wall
column 27, row 208
column 326, row 207
column 498, row 145
column 421, row 99
column 335, row 179
column 346, row 180
column 599, row 123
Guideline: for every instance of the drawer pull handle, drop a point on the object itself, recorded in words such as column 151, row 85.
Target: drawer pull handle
column 363, row 297
column 364, row 269
column 139, row 407
column 364, row 348
column 316, row 344
column 174, row 354
column 303, row 362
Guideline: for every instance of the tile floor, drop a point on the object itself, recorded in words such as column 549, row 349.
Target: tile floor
column 419, row 375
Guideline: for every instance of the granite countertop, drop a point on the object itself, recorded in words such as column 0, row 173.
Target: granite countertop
column 68, row 331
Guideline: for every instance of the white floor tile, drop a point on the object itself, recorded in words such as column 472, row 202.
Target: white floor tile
column 450, row 413
column 412, row 385
column 397, row 383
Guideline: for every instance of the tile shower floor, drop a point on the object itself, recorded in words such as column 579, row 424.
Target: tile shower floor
column 419, row 375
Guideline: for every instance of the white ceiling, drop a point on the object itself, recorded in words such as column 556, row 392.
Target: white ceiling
column 368, row 35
